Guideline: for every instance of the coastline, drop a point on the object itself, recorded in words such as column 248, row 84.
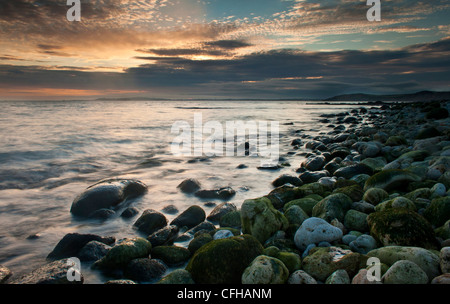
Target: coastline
column 362, row 152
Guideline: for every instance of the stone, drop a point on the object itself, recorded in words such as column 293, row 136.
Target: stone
column 120, row 282
column 350, row 171
column 93, row 251
column 144, row 270
column 189, row 185
column 260, row 219
column 306, row 204
column 363, row 206
column 437, row 113
column 438, row 190
column 425, row 259
column 405, row 272
column 231, row 219
column 224, row 261
column 356, row 220
column 287, row 179
column 55, row 272
column 325, row 260
column 171, row 255
column 363, row 244
column 164, row 236
column 368, row 149
column 377, row 164
column 398, row 226
column 390, row 179
column 301, row 277
column 442, row 279
column 355, row 192
column 222, row 234
column 314, row 163
column 150, row 221
column 295, row 215
column 438, row 212
column 445, row 259
column 396, row 141
column 362, row 278
column 338, row 277
column 106, row 194
column 102, row 214
column 123, row 252
column 5, row 274
column 177, row 277
column 291, row 260
column 309, row 177
column 191, row 217
column 198, row 241
column 332, row 207
column 265, row 270
column 129, row 212
column 225, row 193
column 315, row 230
column 398, row 202
column 71, row 244
column 283, row 194
column 427, row 133
column 444, row 231
column 220, row 210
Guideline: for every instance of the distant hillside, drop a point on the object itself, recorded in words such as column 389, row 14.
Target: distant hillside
column 419, row 96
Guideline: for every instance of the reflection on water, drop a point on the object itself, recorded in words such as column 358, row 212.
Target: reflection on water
column 52, row 151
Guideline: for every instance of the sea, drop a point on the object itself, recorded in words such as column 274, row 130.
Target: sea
column 51, row 151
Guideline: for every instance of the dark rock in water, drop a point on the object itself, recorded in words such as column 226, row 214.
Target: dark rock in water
column 191, row 217
column 399, row 226
column 350, row 171
column 53, row 273
column 287, row 179
column 129, row 212
column 189, row 185
column 93, row 251
column 219, row 211
column 341, row 137
column 428, row 132
column 311, row 177
column 145, row 270
column 206, row 226
column 164, row 236
column 242, row 166
column 222, row 193
column 199, row 241
column 314, row 163
column 269, row 167
column 170, row 209
column 5, row 274
column 171, row 255
column 71, row 244
column 223, row 261
column 282, row 195
column 296, row 142
column 150, row 221
column 315, row 145
column 106, row 194
column 102, row 214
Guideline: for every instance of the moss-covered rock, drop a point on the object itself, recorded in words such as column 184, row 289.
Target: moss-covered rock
column 231, row 219
column 171, row 255
column 417, row 155
column 260, row 219
column 418, row 193
column 438, row 212
column 356, row 220
column 223, row 261
column 355, row 192
column 123, row 252
column 405, row 272
column 177, row 277
column 376, row 164
column 398, row 226
column 295, row 216
column 265, row 270
column 391, row 179
column 283, row 194
column 323, row 261
column 397, row 140
column 198, row 241
column 311, row 188
column 398, row 202
column 444, row 231
column 332, row 207
column 375, row 196
column 306, row 203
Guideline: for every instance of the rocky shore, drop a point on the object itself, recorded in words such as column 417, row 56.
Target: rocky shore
column 376, row 185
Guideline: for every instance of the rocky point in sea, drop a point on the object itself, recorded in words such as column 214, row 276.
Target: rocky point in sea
column 375, row 185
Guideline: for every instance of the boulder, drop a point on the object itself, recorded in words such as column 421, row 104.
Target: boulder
column 323, row 261
column 315, row 230
column 398, row 226
column 425, row 259
column 106, row 194
column 438, row 212
column 191, row 217
column 189, row 185
column 164, row 236
column 56, row 272
column 287, row 179
column 405, row 272
column 363, row 244
column 391, row 179
column 177, row 277
column 220, row 210
column 348, row 172
column 144, row 270
column 123, row 252
column 338, row 277
column 71, row 244
column 93, row 251
column 445, row 259
column 356, row 220
column 265, row 270
column 5, row 274
column 332, row 207
column 223, row 261
column 150, row 221
column 171, row 255
column 260, row 219
column 301, row 277
column 314, row 163
column 225, row 193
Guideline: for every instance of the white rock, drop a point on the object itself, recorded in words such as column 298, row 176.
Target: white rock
column 315, row 230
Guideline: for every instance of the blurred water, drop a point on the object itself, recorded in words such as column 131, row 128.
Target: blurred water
column 51, row 151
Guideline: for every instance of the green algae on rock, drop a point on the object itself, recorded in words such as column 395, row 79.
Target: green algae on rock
column 390, row 179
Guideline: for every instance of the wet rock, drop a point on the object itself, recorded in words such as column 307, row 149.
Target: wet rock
column 144, row 270
column 338, row 277
column 221, row 194
column 5, row 274
column 438, row 212
column 150, row 221
column 391, row 179
column 93, row 251
column 350, row 171
column 164, row 236
column 375, row 196
column 442, row 279
column 311, row 177
column 231, row 219
column 171, row 255
column 198, row 241
column 190, row 218
column 332, row 207
column 283, row 194
column 356, row 220
column 129, row 212
column 301, row 277
column 219, row 211
column 177, row 277
column 287, row 179
column 223, row 261
column 71, row 244
column 107, row 194
column 363, row 244
column 314, row 163
column 189, row 185
column 445, row 259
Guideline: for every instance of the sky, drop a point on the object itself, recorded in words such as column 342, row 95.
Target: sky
column 201, row 49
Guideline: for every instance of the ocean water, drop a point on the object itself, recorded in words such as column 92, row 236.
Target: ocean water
column 51, row 151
